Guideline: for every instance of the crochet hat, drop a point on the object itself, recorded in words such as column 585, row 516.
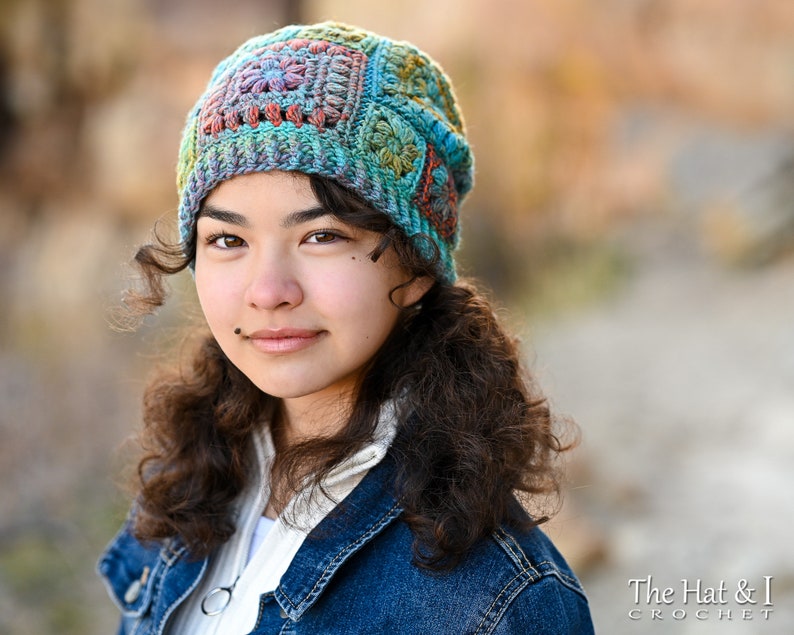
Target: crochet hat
column 374, row 115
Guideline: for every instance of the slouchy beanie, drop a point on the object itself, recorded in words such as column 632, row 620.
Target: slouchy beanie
column 375, row 115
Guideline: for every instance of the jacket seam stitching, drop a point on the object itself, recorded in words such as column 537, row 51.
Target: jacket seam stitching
column 363, row 538
column 496, row 615
column 505, row 596
column 172, row 607
column 521, row 560
column 554, row 569
column 527, row 570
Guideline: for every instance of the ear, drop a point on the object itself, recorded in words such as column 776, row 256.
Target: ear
column 415, row 291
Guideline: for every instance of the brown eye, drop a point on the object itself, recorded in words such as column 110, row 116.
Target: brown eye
column 323, row 237
column 226, row 241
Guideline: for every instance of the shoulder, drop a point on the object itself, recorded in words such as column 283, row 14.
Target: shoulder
column 522, row 584
column 511, row 582
column 532, row 556
column 539, row 593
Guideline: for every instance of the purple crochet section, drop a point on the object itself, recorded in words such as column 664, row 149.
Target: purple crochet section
column 300, row 81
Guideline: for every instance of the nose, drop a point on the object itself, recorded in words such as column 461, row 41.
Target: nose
column 273, row 284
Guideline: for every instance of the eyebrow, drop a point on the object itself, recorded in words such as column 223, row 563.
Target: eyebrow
column 223, row 215
column 303, row 216
column 290, row 220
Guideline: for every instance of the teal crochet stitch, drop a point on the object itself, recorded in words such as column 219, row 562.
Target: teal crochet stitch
column 376, row 115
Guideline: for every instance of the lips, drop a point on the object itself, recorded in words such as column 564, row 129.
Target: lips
column 282, row 341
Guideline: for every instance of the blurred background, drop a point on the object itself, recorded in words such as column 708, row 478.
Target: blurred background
column 634, row 211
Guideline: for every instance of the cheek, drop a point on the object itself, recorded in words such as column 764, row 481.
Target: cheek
column 360, row 299
column 344, row 286
column 216, row 296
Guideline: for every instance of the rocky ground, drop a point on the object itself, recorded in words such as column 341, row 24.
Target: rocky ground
column 683, row 385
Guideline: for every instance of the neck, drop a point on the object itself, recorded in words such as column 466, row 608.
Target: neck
column 306, row 418
column 297, row 421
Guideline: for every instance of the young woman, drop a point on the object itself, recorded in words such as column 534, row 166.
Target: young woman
column 343, row 451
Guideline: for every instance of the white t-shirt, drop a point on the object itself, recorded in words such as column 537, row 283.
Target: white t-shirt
column 262, row 529
column 253, row 560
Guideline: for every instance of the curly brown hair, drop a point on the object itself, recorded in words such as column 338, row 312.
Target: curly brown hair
column 474, row 430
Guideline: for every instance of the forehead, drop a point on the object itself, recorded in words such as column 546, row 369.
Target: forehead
column 262, row 186
column 286, row 196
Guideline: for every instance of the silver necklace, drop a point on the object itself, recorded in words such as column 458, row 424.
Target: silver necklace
column 216, row 600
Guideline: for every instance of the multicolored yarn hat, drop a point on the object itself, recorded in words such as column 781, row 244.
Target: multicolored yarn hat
column 375, row 115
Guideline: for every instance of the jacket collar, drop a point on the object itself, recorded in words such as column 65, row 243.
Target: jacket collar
column 354, row 522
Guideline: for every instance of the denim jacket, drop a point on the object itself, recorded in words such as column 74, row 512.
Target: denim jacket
column 353, row 574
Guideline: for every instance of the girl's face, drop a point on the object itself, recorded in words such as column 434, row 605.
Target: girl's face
column 289, row 291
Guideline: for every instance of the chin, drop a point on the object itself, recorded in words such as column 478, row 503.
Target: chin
column 282, row 391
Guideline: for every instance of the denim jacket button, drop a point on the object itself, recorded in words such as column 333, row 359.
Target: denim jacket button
column 133, row 592
column 283, row 614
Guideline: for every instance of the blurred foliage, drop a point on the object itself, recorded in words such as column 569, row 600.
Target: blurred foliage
column 566, row 276
column 47, row 569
